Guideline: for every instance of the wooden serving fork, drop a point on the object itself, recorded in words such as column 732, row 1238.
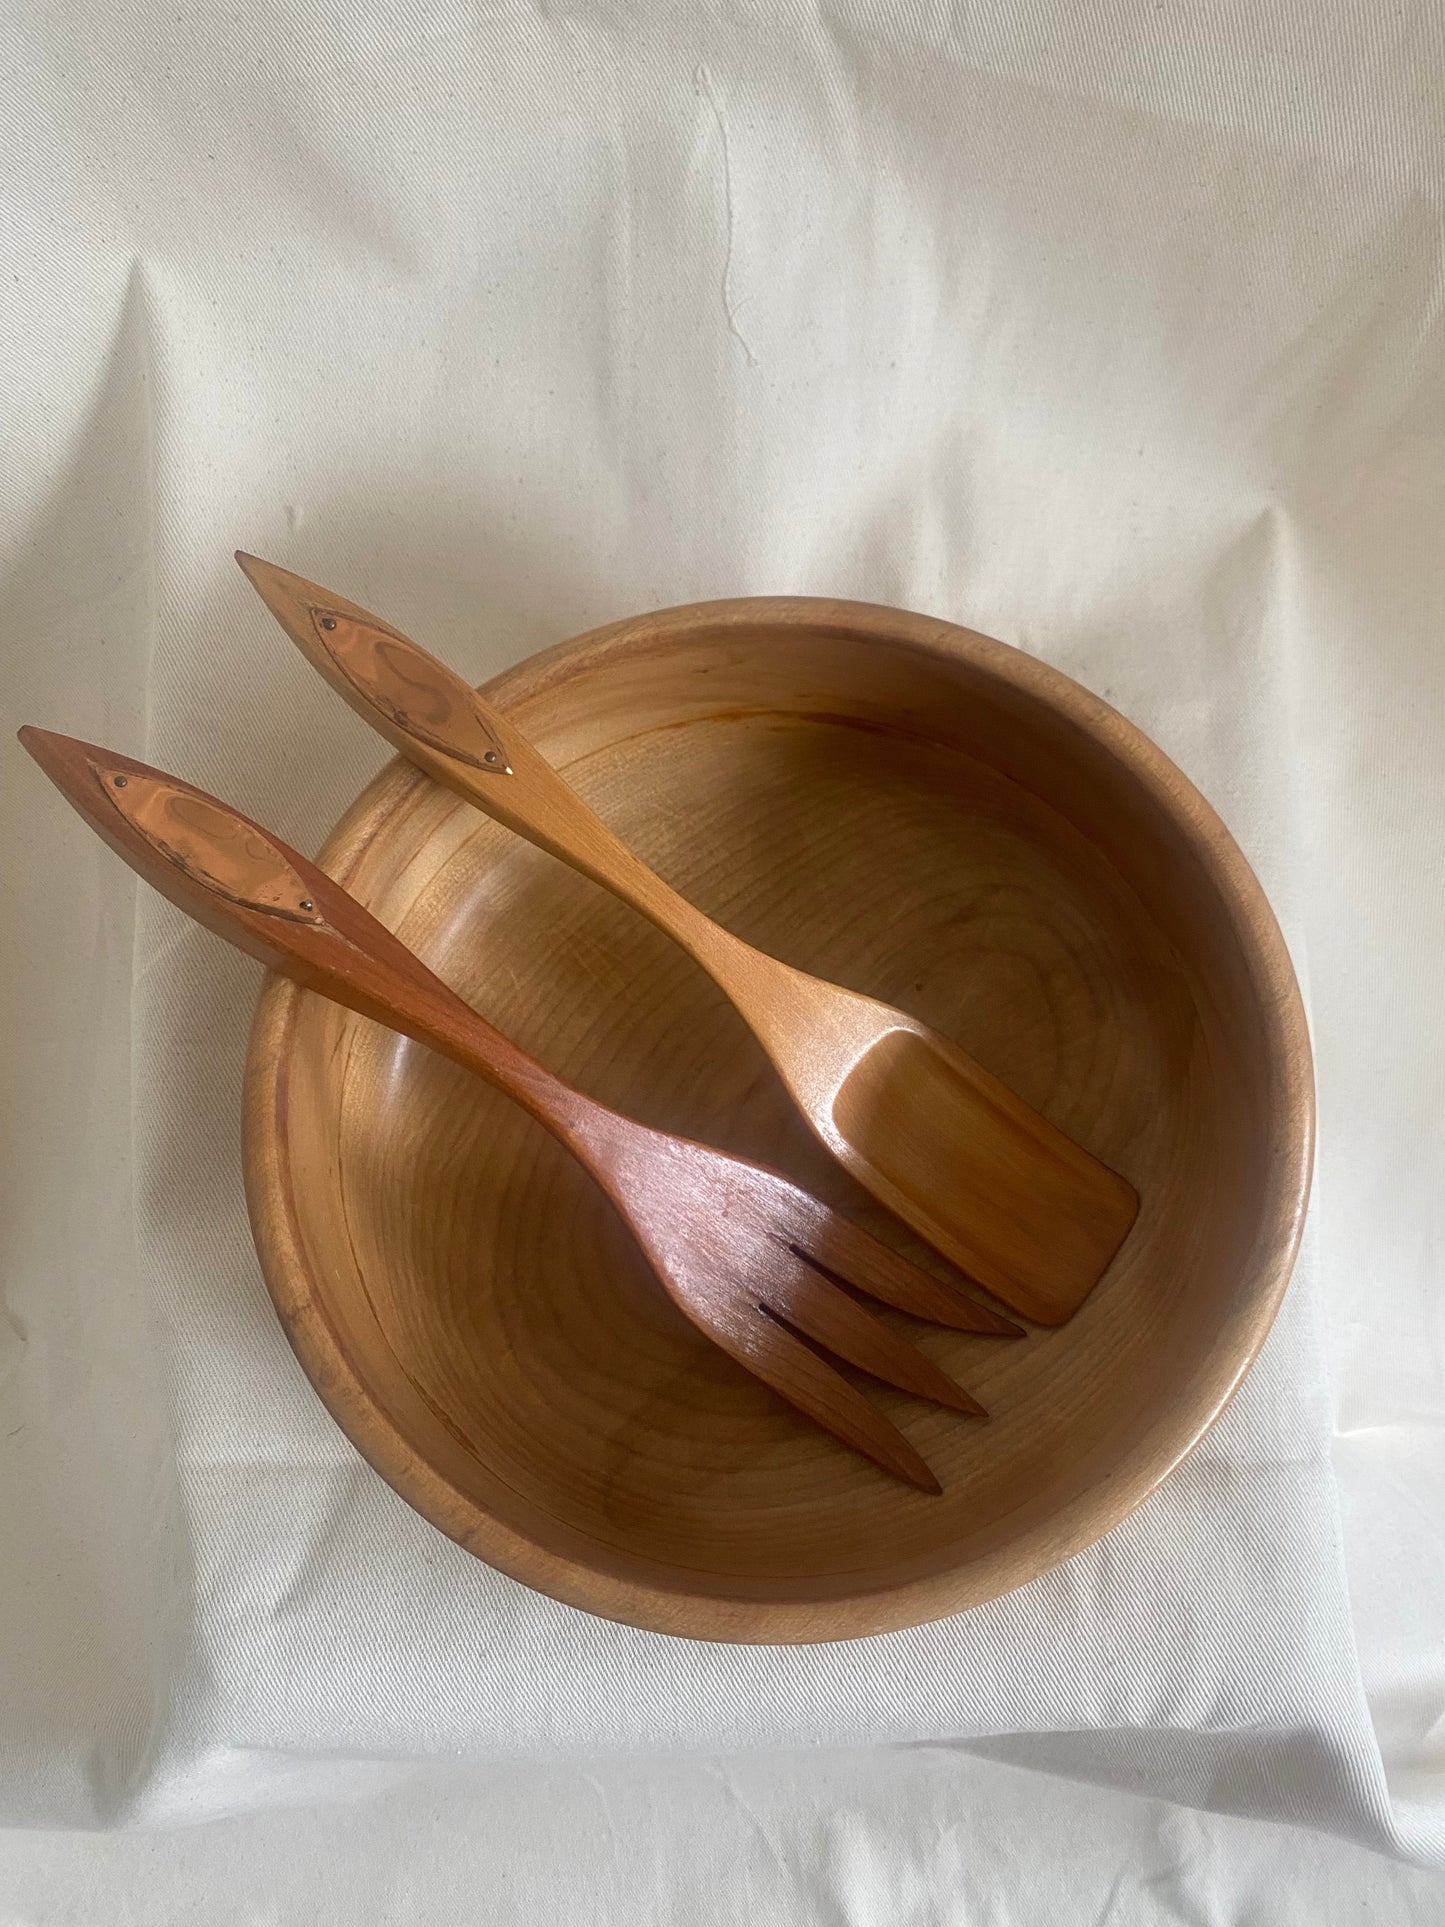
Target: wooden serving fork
column 978, row 1173
column 754, row 1262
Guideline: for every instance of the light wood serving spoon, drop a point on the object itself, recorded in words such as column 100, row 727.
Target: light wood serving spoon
column 754, row 1262
column 978, row 1173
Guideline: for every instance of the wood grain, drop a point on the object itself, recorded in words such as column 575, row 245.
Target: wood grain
column 903, row 807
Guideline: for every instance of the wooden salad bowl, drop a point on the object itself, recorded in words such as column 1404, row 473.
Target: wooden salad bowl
column 894, row 804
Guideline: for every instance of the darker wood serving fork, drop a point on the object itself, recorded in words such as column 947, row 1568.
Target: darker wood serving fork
column 756, row 1263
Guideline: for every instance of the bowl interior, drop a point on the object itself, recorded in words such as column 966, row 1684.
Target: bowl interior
column 901, row 808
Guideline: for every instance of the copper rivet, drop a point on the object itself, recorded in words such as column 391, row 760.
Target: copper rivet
column 307, row 904
column 328, row 622
column 120, row 782
column 492, row 756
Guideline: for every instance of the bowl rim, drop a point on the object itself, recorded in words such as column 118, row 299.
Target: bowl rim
column 696, row 1614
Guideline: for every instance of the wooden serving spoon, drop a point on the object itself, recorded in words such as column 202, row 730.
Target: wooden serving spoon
column 754, row 1262
column 981, row 1175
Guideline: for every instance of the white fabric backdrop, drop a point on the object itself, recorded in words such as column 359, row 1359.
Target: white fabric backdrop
column 1112, row 331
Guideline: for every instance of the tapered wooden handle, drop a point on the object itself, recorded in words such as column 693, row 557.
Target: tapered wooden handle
column 249, row 887
column 439, row 722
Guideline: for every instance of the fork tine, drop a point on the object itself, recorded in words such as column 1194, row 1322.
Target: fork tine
column 817, row 1309
column 772, row 1353
column 853, row 1256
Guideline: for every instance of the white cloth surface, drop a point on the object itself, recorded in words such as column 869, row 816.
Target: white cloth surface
column 1114, row 331
column 909, row 1837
